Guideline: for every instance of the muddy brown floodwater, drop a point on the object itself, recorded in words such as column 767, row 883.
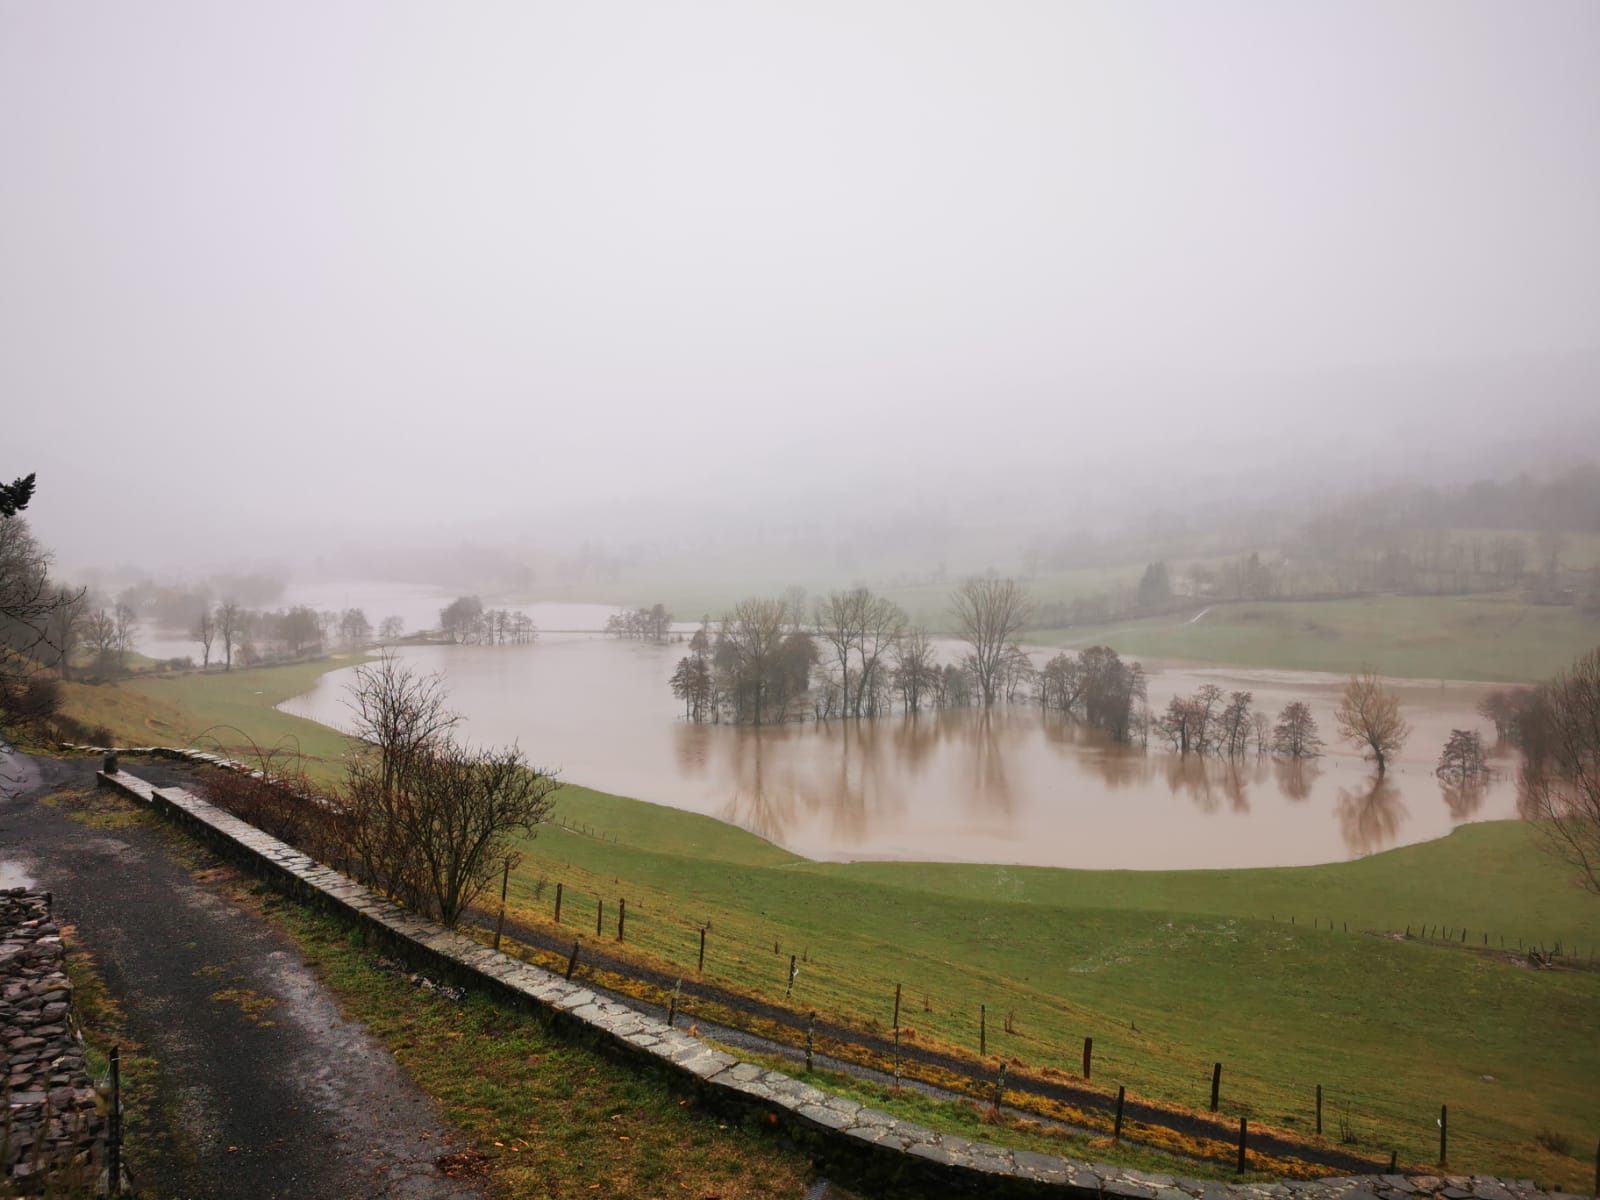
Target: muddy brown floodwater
column 1012, row 785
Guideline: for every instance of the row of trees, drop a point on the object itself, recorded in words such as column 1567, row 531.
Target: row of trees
column 651, row 624
column 465, row 621
column 859, row 655
column 230, row 630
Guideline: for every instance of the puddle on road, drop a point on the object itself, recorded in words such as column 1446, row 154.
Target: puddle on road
column 14, row 875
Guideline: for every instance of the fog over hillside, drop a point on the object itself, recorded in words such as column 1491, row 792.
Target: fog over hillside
column 320, row 287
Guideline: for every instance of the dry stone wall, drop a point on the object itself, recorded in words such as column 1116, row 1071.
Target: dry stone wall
column 51, row 1134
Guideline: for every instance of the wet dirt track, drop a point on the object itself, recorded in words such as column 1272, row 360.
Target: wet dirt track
column 270, row 1092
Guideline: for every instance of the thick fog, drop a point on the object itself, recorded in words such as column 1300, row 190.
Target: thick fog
column 280, row 279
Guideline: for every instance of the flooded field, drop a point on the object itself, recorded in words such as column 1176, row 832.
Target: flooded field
column 1011, row 785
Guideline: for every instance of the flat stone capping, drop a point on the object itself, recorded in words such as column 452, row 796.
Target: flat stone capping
column 858, row 1143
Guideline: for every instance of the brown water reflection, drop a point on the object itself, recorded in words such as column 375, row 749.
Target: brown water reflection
column 1370, row 816
column 1010, row 785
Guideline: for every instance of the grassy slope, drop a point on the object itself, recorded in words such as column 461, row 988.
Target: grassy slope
column 1421, row 637
column 1168, row 971
column 177, row 710
column 1390, row 1028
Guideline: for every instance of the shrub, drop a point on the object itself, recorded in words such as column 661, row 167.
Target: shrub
column 1554, row 1141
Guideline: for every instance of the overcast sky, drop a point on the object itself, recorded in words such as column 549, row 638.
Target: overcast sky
column 270, row 268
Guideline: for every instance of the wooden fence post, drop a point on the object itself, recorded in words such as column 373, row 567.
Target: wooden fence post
column 1116, row 1125
column 572, row 960
column 1216, row 1084
column 700, row 967
column 1444, row 1132
column 1088, row 1055
column 114, row 1130
column 500, row 921
column 622, row 917
column 599, row 914
column 897, row 1035
column 788, row 990
column 558, row 904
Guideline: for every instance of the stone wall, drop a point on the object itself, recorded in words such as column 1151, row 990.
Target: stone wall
column 51, row 1134
column 854, row 1142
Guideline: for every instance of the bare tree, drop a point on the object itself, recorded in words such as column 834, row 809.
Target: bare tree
column 860, row 628
column 127, row 620
column 430, row 820
column 989, row 614
column 64, row 628
column 915, row 666
column 692, row 682
column 1061, row 683
column 757, row 666
column 459, row 619
column 100, row 639
column 28, row 602
column 205, row 632
column 230, row 621
column 1295, row 735
column 469, row 805
column 1235, row 726
column 397, row 712
column 1504, row 706
column 354, row 628
column 391, row 629
column 1369, row 717
column 1262, row 728
column 1560, row 777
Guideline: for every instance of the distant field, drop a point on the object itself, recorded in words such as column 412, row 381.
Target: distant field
column 1291, row 977
column 1490, row 638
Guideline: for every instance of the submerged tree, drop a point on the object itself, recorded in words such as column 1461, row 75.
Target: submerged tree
column 915, row 669
column 1295, row 735
column 1369, row 717
column 762, row 663
column 989, row 614
column 1560, row 777
column 1463, row 759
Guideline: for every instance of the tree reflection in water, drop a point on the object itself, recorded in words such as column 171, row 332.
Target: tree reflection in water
column 1210, row 781
column 1369, row 818
column 1463, row 799
column 1296, row 776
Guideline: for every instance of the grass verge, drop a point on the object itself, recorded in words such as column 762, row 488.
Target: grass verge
column 547, row 1118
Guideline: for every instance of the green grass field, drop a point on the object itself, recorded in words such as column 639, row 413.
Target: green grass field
column 1167, row 971
column 230, row 709
column 1491, row 638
